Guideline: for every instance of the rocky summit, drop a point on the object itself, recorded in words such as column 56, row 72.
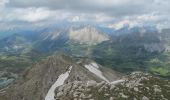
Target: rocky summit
column 64, row 78
column 136, row 86
column 39, row 81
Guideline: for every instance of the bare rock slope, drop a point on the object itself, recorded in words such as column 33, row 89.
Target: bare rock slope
column 37, row 81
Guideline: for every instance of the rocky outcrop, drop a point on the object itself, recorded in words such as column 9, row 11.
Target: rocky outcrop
column 136, row 86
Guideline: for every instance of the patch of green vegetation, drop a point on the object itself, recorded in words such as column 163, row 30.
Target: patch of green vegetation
column 132, row 57
column 160, row 65
column 161, row 71
column 16, row 63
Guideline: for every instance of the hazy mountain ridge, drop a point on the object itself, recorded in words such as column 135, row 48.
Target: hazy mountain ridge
column 135, row 51
column 15, row 44
column 123, row 49
column 81, row 34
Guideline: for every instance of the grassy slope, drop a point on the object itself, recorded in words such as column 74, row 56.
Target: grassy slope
column 17, row 63
column 161, row 64
column 130, row 58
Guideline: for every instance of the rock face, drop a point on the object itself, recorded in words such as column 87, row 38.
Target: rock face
column 89, row 35
column 35, row 83
column 136, row 86
column 83, row 35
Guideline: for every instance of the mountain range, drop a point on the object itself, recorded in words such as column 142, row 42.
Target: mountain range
column 84, row 56
column 125, row 49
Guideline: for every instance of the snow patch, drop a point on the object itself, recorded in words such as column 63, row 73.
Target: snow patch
column 60, row 81
column 96, row 71
column 117, row 82
column 94, row 64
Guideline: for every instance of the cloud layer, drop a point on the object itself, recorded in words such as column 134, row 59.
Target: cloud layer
column 38, row 11
column 110, row 7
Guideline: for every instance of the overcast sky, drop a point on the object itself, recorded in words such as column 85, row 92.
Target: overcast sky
column 38, row 12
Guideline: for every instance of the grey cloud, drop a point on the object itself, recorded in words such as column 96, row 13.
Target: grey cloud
column 85, row 10
column 109, row 7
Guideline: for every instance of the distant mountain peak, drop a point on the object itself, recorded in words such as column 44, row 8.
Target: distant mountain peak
column 89, row 35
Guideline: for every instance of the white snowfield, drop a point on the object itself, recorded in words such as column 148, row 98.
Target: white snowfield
column 94, row 68
column 117, row 82
column 94, row 64
column 60, row 81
